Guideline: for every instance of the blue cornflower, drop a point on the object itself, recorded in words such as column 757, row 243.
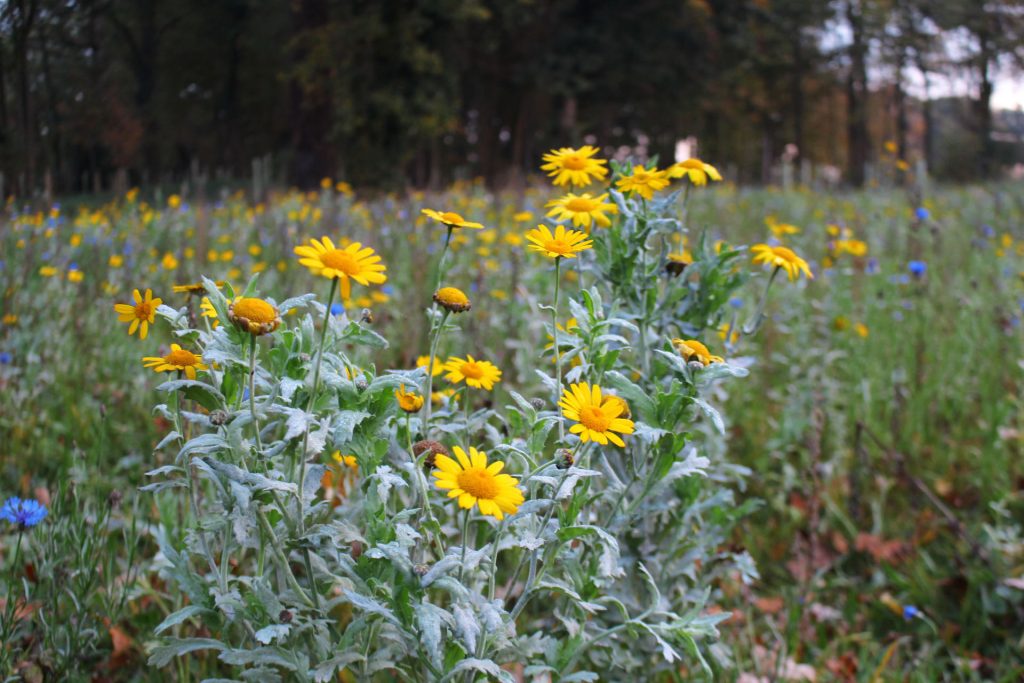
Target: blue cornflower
column 25, row 513
column 988, row 231
column 917, row 268
column 909, row 612
column 921, row 213
column 5, row 358
column 736, row 302
column 337, row 309
column 872, row 266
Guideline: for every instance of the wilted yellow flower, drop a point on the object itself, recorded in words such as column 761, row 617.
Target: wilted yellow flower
column 691, row 349
column 576, row 167
column 409, row 401
column 473, row 481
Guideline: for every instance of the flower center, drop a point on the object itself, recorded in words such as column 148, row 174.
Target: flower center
column 180, row 357
column 339, row 260
column 478, row 482
column 472, row 370
column 593, row 418
column 574, row 163
column 557, row 246
column 580, row 204
column 143, row 310
column 452, row 217
column 255, row 310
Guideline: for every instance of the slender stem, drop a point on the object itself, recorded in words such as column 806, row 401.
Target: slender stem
column 252, row 395
column 558, row 352
column 283, row 560
column 421, row 484
column 755, row 323
column 465, row 543
column 444, row 254
column 429, row 396
column 465, row 407
column 305, row 439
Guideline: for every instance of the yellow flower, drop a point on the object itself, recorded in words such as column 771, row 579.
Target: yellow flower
column 346, row 460
column 453, row 299
column 174, row 201
column 409, row 401
column 597, row 417
column 723, row 332
column 354, row 262
column 76, row 240
column 696, row 170
column 253, row 315
column 47, row 271
column 475, row 482
column 678, row 261
column 479, row 374
column 10, row 319
column 562, row 244
column 115, row 261
column 178, row 359
column 424, row 361
column 583, row 209
column 255, row 250
column 574, row 166
column 852, row 247
column 782, row 257
column 643, row 181
column 169, row 262
column 141, row 314
column 75, row 275
column 208, row 311
column 861, row 329
column 691, row 349
column 781, row 229
column 523, row 216
column 451, row 219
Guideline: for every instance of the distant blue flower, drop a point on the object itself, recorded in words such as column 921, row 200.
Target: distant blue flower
column 917, row 268
column 909, row 612
column 245, row 394
column 736, row 302
column 5, row 358
column 872, row 267
column 921, row 213
column 337, row 309
column 25, row 513
column 988, row 231
column 72, row 266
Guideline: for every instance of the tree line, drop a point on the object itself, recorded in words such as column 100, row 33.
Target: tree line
column 393, row 93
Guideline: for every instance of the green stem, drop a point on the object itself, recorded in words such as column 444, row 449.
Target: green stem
column 252, row 395
column 424, row 495
column 558, row 353
column 465, row 543
column 282, row 560
column 755, row 323
column 429, row 396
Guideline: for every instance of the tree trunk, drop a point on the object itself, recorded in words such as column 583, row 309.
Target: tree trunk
column 856, row 99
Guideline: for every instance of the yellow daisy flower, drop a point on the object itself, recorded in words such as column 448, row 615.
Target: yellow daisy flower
column 451, row 219
column 643, row 181
column 473, row 481
column 782, row 257
column 424, row 361
column 597, row 417
column 208, row 311
column 695, row 170
column 453, row 299
column 178, row 359
column 354, row 262
column 479, row 374
column 584, row 209
column 577, row 167
column 253, row 315
column 691, row 349
column 141, row 314
column 409, row 401
column 562, row 244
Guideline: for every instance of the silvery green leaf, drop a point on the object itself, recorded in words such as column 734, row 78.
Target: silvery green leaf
column 357, row 334
column 386, row 479
column 298, row 422
column 314, row 473
column 485, row 666
column 288, row 388
column 316, row 441
column 272, row 656
column 667, row 651
column 294, row 302
column 549, row 382
column 585, row 676
column 406, row 536
column 159, row 486
column 253, row 480
column 165, row 442
column 440, row 568
column 228, row 602
column 326, row 671
column 524, row 406
column 179, row 617
column 639, row 400
column 344, row 425
column 647, row 433
column 176, row 647
column 572, row 477
column 368, row 604
column 728, row 369
column 398, row 555
column 711, row 412
column 466, row 627
column 430, row 619
column 268, row 633
column 578, row 312
column 166, row 469
column 204, row 443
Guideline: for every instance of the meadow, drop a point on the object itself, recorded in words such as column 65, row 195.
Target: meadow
column 820, row 477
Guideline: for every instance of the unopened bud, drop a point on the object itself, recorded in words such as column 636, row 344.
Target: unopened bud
column 565, row 459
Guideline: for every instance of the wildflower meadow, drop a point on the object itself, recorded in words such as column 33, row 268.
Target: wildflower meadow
column 631, row 423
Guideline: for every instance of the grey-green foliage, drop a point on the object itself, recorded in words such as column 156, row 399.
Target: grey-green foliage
column 607, row 569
